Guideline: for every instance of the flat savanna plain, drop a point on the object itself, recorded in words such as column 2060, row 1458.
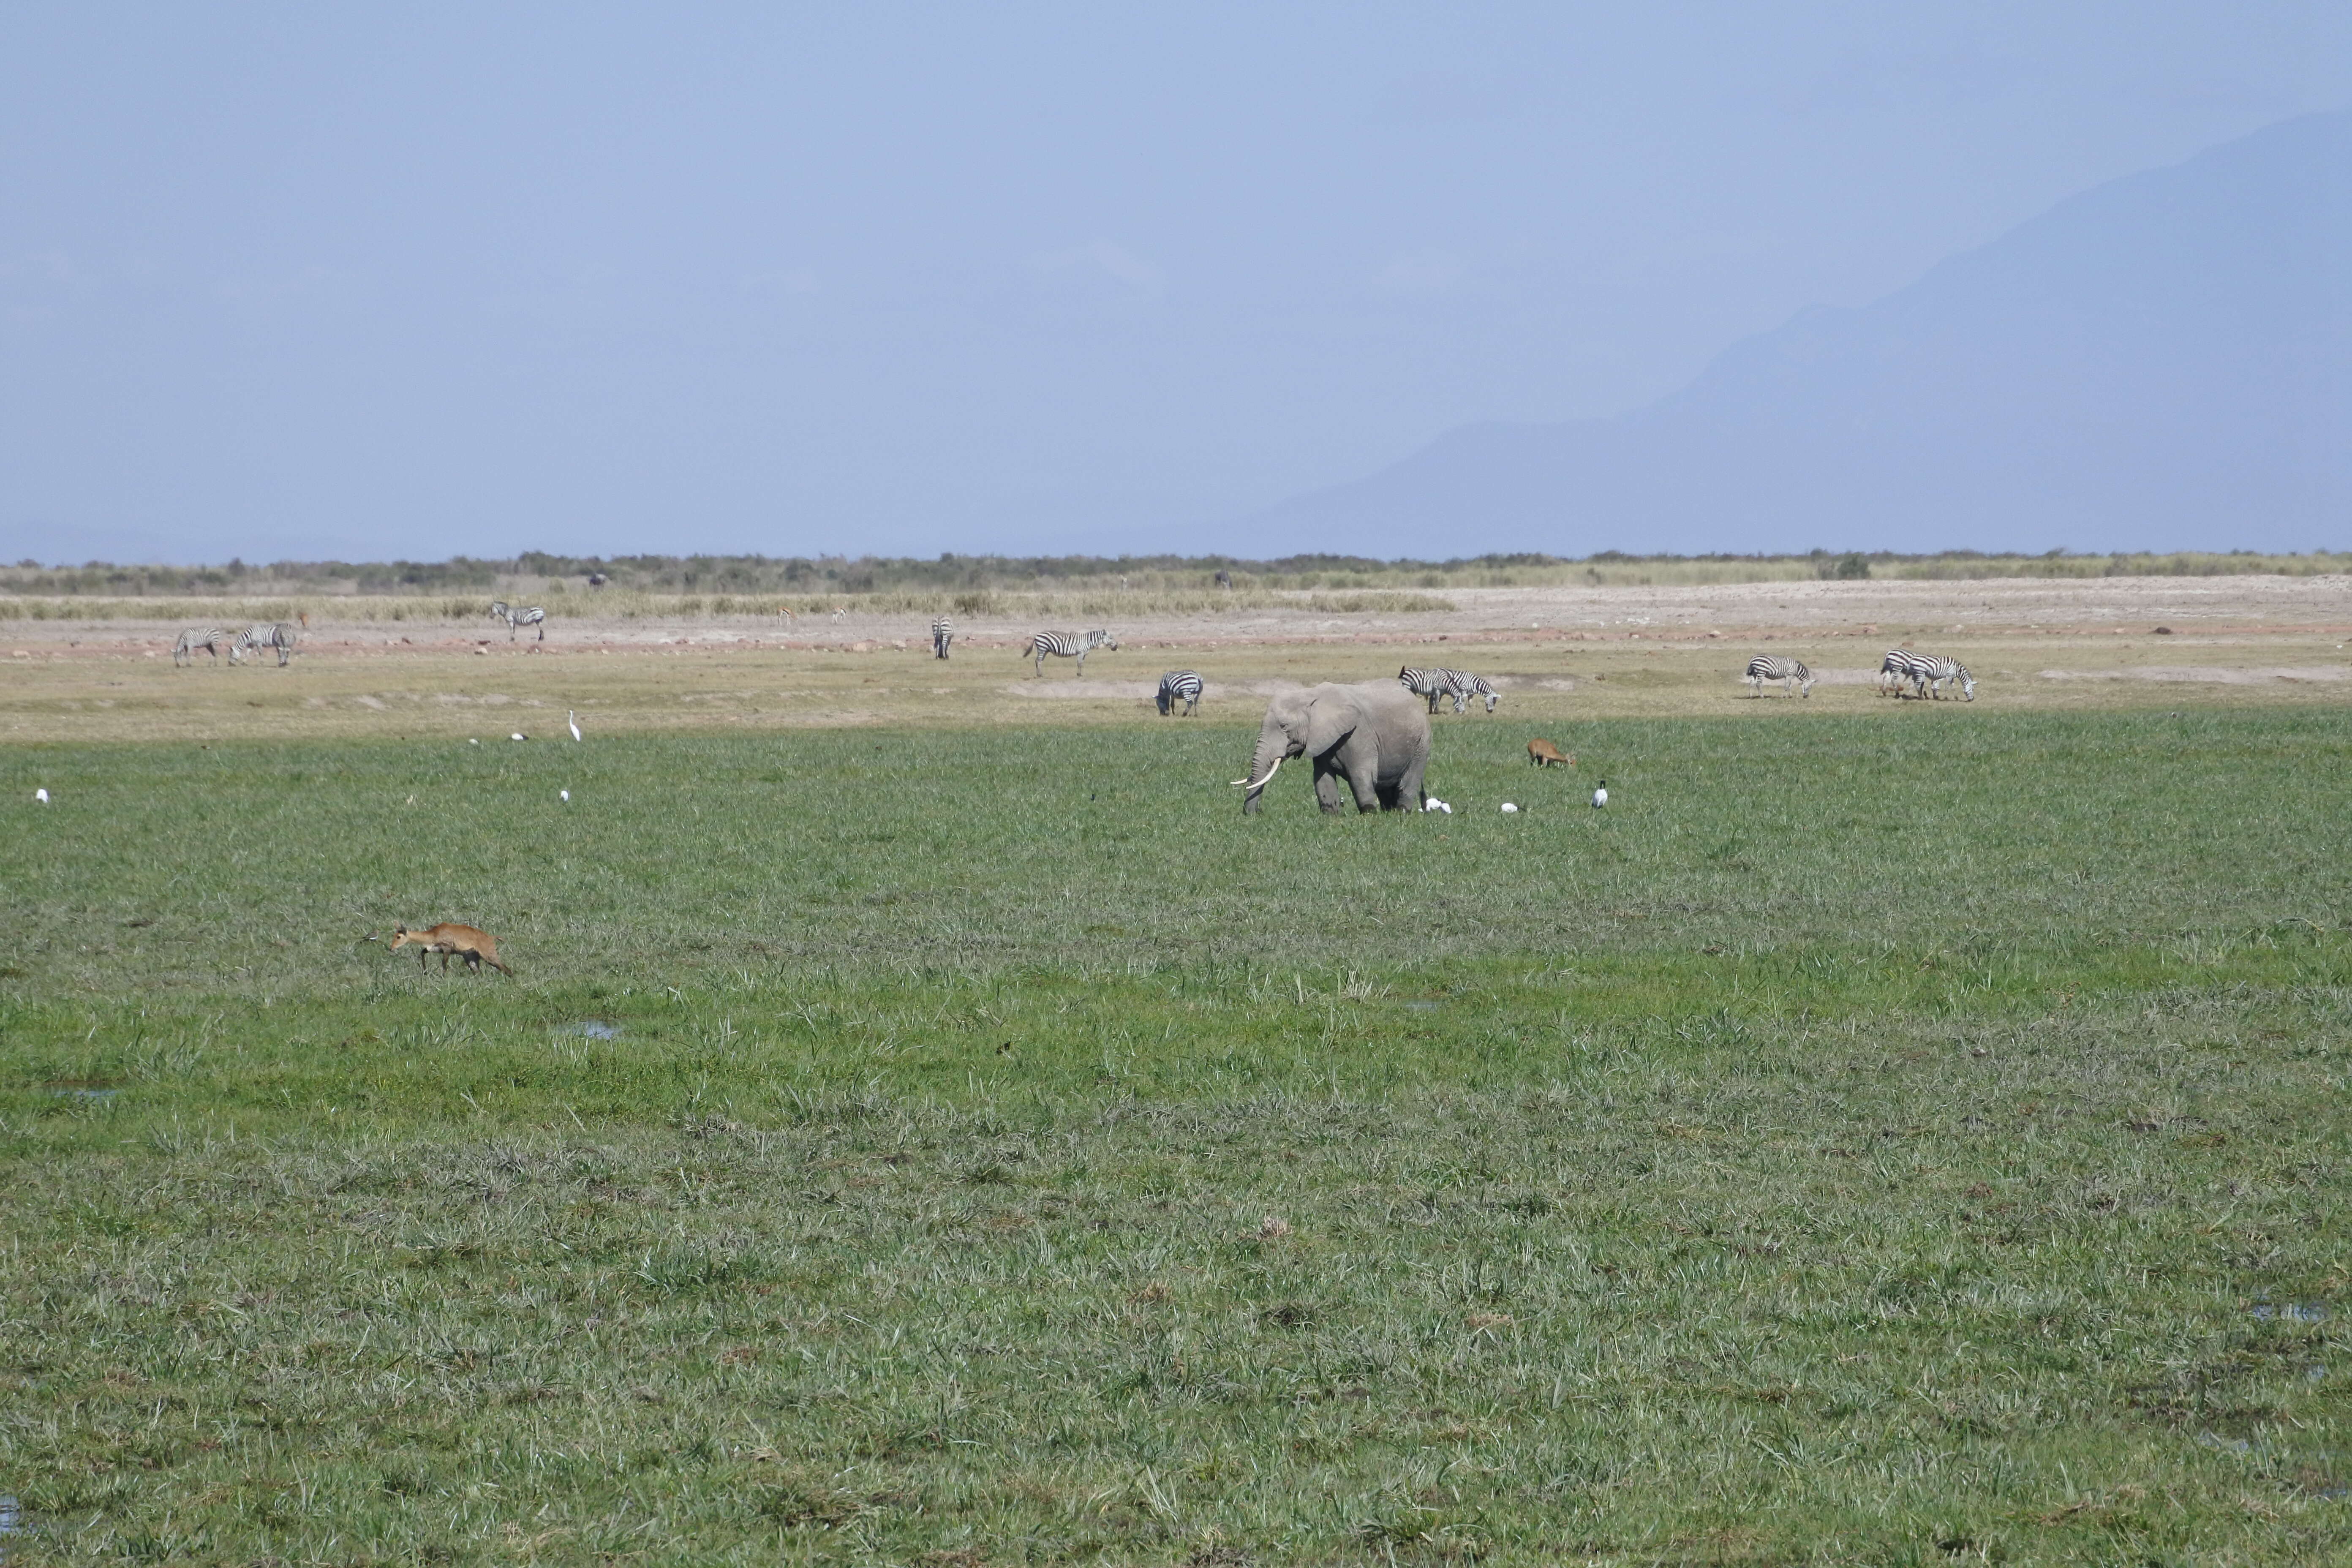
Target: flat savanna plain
column 929, row 1123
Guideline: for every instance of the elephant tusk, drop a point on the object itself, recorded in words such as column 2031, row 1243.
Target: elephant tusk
column 1261, row 784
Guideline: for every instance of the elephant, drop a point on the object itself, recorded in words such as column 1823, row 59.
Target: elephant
column 1373, row 735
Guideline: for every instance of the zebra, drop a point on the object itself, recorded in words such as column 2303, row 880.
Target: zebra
column 1464, row 686
column 276, row 634
column 942, row 634
column 1224, row 580
column 1895, row 669
column 501, row 612
column 1931, row 672
column 1430, row 683
column 1067, row 645
column 1789, row 672
column 1180, row 685
column 208, row 639
column 531, row 616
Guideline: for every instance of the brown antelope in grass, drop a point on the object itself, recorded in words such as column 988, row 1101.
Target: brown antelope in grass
column 472, row 943
column 1543, row 754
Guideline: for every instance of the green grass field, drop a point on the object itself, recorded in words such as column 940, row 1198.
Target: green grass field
column 1915, row 1136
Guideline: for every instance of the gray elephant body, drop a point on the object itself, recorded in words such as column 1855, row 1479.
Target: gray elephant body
column 1374, row 736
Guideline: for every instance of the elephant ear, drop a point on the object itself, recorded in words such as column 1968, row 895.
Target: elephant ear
column 1329, row 722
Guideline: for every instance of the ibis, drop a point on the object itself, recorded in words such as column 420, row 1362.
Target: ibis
column 1601, row 795
column 42, row 795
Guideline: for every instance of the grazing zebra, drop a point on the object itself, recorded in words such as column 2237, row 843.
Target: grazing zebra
column 1224, row 579
column 208, row 639
column 1430, row 683
column 276, row 635
column 1464, row 686
column 1789, row 672
column 533, row 616
column 942, row 634
column 1067, row 645
column 1930, row 672
column 1895, row 669
column 499, row 612
column 1180, row 685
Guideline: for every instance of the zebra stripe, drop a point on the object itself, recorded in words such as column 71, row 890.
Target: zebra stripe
column 276, row 635
column 499, row 612
column 942, row 634
column 1180, row 685
column 534, row 617
column 1933, row 672
column 1067, row 645
column 1430, row 683
column 1789, row 672
column 208, row 639
column 1464, row 686
column 1896, row 668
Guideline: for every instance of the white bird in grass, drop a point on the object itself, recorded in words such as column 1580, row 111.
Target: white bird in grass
column 516, row 736
column 1601, row 795
column 1508, row 809
column 564, row 793
column 573, row 723
column 471, row 742
column 42, row 795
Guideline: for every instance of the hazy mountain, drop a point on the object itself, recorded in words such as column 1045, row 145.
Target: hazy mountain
column 2161, row 362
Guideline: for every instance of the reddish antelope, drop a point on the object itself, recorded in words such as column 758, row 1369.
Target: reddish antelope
column 472, row 943
column 1544, row 754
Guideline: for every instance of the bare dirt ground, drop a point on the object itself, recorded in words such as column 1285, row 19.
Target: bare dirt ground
column 1556, row 653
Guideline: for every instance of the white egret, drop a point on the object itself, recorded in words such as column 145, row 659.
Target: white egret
column 573, row 723
column 1601, row 795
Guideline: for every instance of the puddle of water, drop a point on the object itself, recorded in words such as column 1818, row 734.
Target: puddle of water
column 2292, row 1312
column 1423, row 1007
column 96, row 1094
column 595, row 1029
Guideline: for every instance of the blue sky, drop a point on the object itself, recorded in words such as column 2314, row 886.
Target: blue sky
column 304, row 281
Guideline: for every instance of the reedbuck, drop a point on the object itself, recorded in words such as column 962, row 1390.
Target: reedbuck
column 472, row 943
column 1543, row 754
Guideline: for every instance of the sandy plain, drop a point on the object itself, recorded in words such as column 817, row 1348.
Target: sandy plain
column 1558, row 653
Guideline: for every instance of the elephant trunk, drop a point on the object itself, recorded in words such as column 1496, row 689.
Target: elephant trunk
column 1272, row 746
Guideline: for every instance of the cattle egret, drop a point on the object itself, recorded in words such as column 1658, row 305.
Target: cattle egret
column 565, row 794
column 42, row 795
column 573, row 723
column 516, row 736
column 1508, row 809
column 1601, row 795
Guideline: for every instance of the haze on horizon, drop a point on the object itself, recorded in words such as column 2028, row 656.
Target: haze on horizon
column 285, row 282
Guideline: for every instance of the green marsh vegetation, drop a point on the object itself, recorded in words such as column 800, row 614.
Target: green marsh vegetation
column 1868, row 1141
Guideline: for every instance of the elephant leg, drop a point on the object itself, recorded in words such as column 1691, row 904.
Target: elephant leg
column 1326, row 788
column 1409, row 791
column 1360, row 759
